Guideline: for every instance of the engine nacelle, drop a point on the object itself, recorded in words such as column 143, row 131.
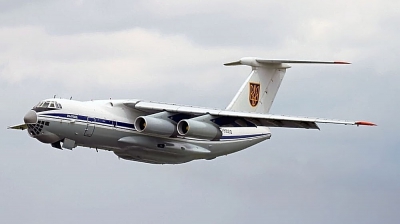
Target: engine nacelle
column 157, row 126
column 198, row 129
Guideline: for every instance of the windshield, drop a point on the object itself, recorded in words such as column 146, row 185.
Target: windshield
column 47, row 105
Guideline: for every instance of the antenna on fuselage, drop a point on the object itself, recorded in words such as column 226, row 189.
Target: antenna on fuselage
column 111, row 103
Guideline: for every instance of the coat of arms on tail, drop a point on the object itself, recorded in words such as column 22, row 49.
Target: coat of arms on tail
column 254, row 93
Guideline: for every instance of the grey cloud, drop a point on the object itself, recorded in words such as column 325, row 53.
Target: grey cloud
column 337, row 175
column 215, row 28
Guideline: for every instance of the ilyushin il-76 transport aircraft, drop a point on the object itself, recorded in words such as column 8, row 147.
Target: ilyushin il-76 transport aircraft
column 161, row 133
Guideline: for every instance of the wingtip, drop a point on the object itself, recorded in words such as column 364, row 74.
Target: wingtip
column 365, row 123
column 342, row 62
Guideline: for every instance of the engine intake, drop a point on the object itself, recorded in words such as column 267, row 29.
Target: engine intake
column 198, row 129
column 157, row 126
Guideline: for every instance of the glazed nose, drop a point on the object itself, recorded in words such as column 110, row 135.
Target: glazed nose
column 31, row 117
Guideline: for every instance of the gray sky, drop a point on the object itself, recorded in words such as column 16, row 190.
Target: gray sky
column 173, row 51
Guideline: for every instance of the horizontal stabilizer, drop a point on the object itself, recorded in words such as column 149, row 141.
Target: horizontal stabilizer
column 259, row 62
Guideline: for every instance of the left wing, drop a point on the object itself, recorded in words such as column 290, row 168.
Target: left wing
column 237, row 119
column 19, row 127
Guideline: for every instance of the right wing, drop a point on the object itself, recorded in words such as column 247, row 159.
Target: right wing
column 226, row 118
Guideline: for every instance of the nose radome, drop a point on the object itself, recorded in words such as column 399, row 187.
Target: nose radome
column 31, row 117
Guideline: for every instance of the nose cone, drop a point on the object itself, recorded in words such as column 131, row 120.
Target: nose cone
column 31, row 117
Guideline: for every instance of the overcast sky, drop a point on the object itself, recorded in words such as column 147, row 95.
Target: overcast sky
column 173, row 52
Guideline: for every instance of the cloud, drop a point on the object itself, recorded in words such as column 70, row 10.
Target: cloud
column 109, row 60
column 218, row 23
column 173, row 51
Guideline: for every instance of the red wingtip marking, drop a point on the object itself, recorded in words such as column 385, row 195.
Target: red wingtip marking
column 342, row 62
column 365, row 123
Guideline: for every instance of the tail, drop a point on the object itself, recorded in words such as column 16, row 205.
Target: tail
column 259, row 90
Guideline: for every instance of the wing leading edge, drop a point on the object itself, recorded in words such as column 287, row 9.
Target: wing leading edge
column 235, row 118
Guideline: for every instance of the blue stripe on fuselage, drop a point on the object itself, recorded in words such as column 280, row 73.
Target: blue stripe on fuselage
column 92, row 119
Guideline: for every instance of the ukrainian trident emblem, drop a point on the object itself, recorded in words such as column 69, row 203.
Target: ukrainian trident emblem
column 254, row 94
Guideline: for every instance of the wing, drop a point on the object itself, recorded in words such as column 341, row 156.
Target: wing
column 19, row 127
column 237, row 119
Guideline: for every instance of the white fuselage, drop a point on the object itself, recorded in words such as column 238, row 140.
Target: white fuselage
column 109, row 125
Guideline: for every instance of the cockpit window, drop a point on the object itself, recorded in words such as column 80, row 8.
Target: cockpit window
column 47, row 105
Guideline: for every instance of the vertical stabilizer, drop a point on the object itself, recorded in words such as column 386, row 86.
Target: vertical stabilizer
column 259, row 90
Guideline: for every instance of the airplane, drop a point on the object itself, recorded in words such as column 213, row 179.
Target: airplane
column 162, row 133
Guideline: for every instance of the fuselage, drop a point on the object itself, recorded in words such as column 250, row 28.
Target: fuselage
column 109, row 125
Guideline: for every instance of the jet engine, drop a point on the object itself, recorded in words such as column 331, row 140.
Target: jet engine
column 157, row 126
column 198, row 129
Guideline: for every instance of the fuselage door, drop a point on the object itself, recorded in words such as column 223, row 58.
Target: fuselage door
column 89, row 127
